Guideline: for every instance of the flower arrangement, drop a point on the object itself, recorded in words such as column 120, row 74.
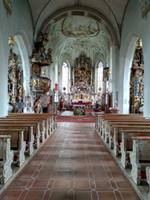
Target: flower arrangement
column 79, row 111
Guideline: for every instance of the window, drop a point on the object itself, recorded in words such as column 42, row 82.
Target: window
column 100, row 76
column 65, row 77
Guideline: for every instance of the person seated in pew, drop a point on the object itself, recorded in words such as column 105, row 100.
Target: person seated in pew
column 37, row 105
column 45, row 99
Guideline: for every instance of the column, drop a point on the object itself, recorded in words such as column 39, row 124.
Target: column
column 56, row 73
column 114, row 55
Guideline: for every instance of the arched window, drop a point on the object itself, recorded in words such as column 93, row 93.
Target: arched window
column 65, row 77
column 100, row 76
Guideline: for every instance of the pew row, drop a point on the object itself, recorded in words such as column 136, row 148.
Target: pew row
column 24, row 132
column 119, row 132
column 50, row 117
column 103, row 117
column 126, row 144
column 140, row 158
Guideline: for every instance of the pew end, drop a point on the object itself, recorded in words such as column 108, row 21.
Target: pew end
column 6, row 159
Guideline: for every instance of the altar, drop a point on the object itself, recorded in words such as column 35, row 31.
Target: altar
column 82, row 87
column 81, row 104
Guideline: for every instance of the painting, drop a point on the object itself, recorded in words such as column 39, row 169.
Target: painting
column 145, row 7
column 82, row 72
column 79, row 26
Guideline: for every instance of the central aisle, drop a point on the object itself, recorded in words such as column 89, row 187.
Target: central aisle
column 72, row 165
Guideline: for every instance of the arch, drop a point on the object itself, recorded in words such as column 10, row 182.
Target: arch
column 27, row 42
column 102, row 59
column 115, row 35
column 3, row 78
column 126, row 73
column 25, row 62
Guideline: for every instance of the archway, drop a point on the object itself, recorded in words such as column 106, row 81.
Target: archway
column 126, row 74
column 25, row 62
column 18, row 73
column 73, row 35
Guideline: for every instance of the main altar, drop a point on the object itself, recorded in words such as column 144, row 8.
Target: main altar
column 82, row 76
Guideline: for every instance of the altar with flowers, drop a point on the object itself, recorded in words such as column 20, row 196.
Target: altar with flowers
column 82, row 88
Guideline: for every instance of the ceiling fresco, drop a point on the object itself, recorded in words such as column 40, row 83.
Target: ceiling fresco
column 114, row 8
column 80, row 26
column 111, row 11
column 73, row 35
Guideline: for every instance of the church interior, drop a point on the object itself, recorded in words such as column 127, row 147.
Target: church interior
column 74, row 106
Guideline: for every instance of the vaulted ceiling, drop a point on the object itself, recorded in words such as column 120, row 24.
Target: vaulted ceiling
column 115, row 8
column 94, row 41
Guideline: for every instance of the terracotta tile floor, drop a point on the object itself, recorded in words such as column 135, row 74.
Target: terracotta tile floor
column 73, row 164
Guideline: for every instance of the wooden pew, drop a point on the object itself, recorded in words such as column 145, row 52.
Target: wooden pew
column 121, row 118
column 28, row 133
column 105, row 124
column 103, row 118
column 40, row 123
column 114, row 138
column 6, row 158
column 49, row 117
column 18, row 127
column 127, row 142
column 17, row 144
column 34, row 127
column 148, row 179
column 45, row 120
column 140, row 158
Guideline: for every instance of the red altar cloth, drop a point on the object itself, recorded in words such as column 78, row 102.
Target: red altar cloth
column 81, row 103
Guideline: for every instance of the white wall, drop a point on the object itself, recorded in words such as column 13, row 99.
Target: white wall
column 134, row 26
column 20, row 22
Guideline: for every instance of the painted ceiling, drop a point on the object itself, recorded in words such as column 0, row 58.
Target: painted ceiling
column 69, row 36
column 108, row 7
column 75, row 35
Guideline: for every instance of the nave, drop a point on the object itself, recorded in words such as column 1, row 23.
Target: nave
column 73, row 164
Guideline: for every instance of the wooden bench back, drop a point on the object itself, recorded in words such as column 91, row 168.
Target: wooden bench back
column 14, row 139
column 129, row 138
column 3, row 149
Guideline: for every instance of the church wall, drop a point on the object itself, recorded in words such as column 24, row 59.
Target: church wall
column 19, row 22
column 134, row 26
